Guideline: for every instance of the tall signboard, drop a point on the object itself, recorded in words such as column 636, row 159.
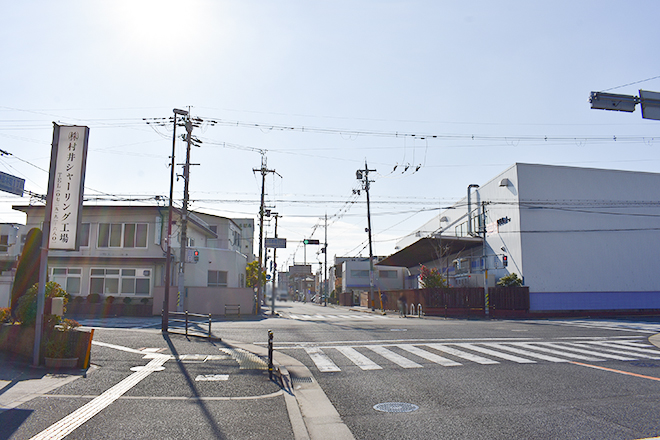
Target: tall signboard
column 65, row 189
column 62, row 219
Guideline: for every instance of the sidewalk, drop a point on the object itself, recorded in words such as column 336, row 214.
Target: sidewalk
column 27, row 393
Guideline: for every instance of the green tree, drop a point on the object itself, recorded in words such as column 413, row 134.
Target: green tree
column 27, row 272
column 251, row 271
column 431, row 278
column 26, row 310
column 510, row 280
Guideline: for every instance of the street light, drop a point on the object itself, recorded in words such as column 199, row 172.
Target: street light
column 166, row 298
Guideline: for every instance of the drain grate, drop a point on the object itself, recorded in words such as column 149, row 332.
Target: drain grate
column 295, row 379
column 396, row 407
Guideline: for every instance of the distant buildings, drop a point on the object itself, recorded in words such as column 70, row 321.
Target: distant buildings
column 123, row 253
column 581, row 238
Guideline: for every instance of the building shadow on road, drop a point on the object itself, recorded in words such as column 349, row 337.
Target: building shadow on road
column 217, row 433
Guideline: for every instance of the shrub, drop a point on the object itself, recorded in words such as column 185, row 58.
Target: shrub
column 93, row 298
column 127, row 300
column 431, row 278
column 510, row 280
column 26, row 310
column 144, row 300
column 79, row 299
column 5, row 314
column 109, row 299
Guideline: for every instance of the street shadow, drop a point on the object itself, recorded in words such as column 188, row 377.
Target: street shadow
column 11, row 420
column 217, row 433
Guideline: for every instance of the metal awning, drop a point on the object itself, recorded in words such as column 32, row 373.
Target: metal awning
column 428, row 249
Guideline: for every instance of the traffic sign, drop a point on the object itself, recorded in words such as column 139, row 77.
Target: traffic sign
column 278, row 243
column 11, row 184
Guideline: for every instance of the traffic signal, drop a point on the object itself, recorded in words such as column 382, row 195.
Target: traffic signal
column 311, row 241
column 505, row 260
column 196, row 255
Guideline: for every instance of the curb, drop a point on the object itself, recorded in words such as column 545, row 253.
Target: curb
column 655, row 340
column 312, row 415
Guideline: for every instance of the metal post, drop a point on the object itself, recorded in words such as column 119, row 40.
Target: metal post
column 209, row 325
column 270, row 354
column 186, row 322
column 485, row 257
column 272, row 297
column 168, row 261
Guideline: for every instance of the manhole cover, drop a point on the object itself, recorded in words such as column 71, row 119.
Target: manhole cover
column 645, row 364
column 396, row 407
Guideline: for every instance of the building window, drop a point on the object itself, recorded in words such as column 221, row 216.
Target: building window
column 387, row 274
column 83, row 235
column 68, row 278
column 4, row 243
column 217, row 278
column 126, row 282
column 214, row 229
column 134, row 235
column 360, row 273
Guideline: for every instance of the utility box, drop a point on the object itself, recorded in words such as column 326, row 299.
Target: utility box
column 57, row 306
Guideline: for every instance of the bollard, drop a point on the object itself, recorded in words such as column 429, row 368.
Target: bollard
column 412, row 309
column 270, row 354
column 209, row 325
column 419, row 310
column 186, row 322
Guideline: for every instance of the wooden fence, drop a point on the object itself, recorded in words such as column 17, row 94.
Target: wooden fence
column 464, row 301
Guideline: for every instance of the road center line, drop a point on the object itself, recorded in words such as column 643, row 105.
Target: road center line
column 77, row 418
column 627, row 373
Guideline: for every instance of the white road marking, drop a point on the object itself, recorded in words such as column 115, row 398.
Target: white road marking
column 540, row 347
column 393, row 357
column 462, row 354
column 494, row 353
column 322, row 361
column 211, row 377
column 528, row 353
column 71, row 422
column 359, row 359
column 428, row 355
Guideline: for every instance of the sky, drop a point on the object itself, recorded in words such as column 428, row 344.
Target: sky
column 431, row 95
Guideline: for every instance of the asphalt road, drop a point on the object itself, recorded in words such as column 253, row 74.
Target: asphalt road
column 387, row 377
column 566, row 379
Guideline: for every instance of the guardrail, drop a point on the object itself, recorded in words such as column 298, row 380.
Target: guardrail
column 233, row 309
column 188, row 322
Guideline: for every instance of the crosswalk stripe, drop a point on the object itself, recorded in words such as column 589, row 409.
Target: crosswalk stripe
column 581, row 348
column 462, row 354
column 322, row 361
column 359, row 359
column 393, row 357
column 494, row 353
column 628, row 351
column 543, row 357
column 428, row 355
column 539, row 346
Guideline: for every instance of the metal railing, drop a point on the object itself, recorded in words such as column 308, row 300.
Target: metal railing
column 196, row 320
column 418, row 312
column 234, row 309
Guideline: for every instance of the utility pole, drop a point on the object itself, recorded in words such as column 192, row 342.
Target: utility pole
column 263, row 170
column 325, row 251
column 485, row 257
column 364, row 176
column 272, row 297
column 168, row 261
column 184, row 213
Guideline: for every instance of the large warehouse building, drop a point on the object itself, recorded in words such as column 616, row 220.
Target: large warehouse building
column 581, row 239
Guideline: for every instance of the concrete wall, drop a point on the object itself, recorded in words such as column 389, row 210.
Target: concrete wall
column 206, row 300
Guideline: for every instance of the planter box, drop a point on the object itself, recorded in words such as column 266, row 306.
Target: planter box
column 20, row 340
column 61, row 362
